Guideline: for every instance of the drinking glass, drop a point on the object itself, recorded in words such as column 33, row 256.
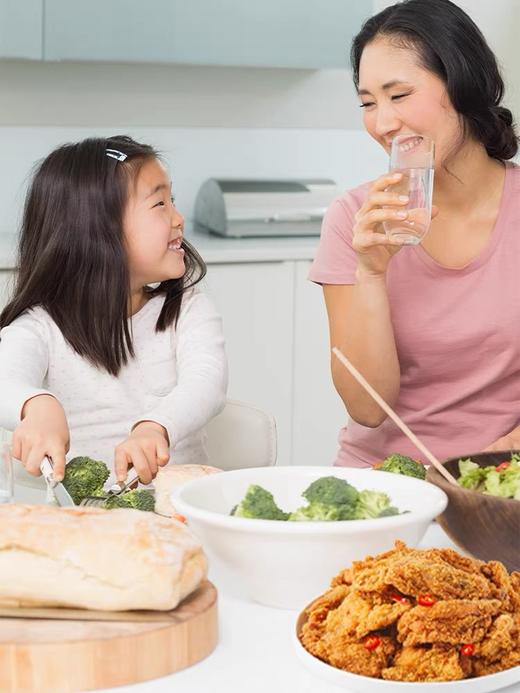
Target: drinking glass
column 413, row 156
column 6, row 473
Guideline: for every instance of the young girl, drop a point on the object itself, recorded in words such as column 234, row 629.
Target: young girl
column 91, row 357
column 435, row 328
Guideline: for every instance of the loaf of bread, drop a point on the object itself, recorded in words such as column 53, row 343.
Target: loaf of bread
column 96, row 559
column 173, row 476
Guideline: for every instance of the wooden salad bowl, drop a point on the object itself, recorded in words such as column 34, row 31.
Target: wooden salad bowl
column 487, row 527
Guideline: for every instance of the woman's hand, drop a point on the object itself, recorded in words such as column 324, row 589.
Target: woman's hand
column 42, row 431
column 146, row 449
column 511, row 441
column 373, row 248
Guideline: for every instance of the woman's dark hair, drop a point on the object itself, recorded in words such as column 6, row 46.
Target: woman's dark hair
column 72, row 259
column 450, row 45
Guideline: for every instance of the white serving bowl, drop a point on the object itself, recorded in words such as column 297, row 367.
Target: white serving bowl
column 354, row 683
column 287, row 564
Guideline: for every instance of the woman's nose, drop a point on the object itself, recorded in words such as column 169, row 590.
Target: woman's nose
column 387, row 121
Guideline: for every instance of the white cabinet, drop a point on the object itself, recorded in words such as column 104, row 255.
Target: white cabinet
column 277, row 342
column 21, row 23
column 292, row 33
column 318, row 412
column 255, row 301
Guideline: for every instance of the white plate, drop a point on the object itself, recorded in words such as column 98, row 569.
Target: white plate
column 366, row 684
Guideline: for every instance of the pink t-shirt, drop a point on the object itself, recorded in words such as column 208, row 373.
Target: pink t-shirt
column 457, row 333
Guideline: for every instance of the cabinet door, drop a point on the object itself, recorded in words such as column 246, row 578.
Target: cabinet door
column 318, row 412
column 256, row 304
column 292, row 33
column 21, row 24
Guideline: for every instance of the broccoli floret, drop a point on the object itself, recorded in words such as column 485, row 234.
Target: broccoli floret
column 315, row 512
column 330, row 490
column 371, row 504
column 259, row 504
column 85, row 477
column 391, row 510
column 138, row 499
column 401, row 464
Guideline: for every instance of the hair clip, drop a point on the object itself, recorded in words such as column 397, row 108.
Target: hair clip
column 116, row 154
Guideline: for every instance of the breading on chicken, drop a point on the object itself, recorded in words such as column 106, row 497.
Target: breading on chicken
column 437, row 663
column 417, row 575
column 452, row 621
column 412, row 615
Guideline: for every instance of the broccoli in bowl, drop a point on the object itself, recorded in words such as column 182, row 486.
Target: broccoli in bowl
column 328, row 499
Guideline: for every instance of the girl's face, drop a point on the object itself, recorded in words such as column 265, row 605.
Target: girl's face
column 399, row 97
column 153, row 228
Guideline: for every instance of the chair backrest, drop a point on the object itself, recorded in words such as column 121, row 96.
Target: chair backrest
column 241, row 436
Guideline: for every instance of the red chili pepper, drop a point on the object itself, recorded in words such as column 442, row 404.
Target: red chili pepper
column 467, row 650
column 502, row 466
column 372, row 642
column 180, row 518
column 426, row 600
column 399, row 598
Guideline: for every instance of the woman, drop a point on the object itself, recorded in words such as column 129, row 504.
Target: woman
column 434, row 328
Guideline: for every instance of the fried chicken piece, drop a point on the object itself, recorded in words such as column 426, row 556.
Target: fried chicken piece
column 437, row 663
column 343, row 578
column 417, row 575
column 369, row 574
column 357, row 659
column 482, row 667
column 503, row 585
column 453, row 621
column 361, row 613
column 502, row 637
column 470, row 565
column 313, row 629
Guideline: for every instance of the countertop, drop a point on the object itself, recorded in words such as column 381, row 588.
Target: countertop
column 255, row 651
column 214, row 249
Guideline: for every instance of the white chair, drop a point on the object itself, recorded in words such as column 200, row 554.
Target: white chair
column 241, row 436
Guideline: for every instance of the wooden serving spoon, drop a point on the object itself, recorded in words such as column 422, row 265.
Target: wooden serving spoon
column 395, row 418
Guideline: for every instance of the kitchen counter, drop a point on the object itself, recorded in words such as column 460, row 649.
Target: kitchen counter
column 214, row 249
column 255, row 652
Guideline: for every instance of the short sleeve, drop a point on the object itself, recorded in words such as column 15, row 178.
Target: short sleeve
column 335, row 261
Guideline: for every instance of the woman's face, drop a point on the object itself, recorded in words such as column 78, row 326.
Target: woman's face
column 400, row 97
column 153, row 228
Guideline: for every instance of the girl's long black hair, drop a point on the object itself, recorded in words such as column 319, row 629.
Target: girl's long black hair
column 71, row 258
column 451, row 46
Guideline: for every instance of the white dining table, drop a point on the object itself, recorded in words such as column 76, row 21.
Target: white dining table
column 255, row 652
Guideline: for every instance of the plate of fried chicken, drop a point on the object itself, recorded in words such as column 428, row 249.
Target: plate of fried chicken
column 430, row 617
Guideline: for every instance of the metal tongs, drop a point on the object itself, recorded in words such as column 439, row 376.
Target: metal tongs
column 115, row 490
column 58, row 494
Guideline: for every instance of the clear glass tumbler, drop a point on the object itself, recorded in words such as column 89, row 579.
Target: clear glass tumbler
column 413, row 156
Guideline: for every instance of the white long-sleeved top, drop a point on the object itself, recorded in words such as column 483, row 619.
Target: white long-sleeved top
column 178, row 379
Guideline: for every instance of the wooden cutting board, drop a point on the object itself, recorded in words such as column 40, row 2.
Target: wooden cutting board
column 51, row 656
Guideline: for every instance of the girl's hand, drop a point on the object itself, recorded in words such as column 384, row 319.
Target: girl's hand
column 373, row 248
column 511, row 441
column 146, row 449
column 42, row 431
